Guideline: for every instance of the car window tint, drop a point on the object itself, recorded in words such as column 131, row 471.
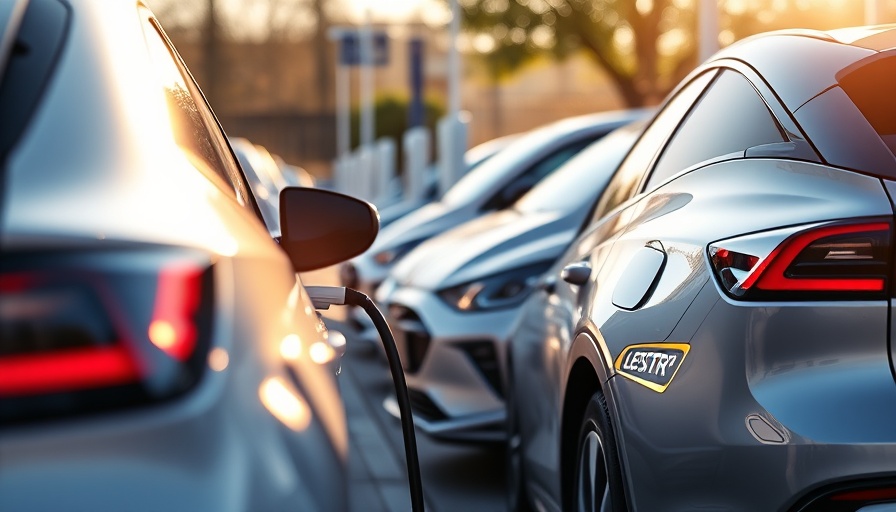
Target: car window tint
column 193, row 124
column 730, row 117
column 625, row 182
column 523, row 183
column 580, row 180
column 30, row 59
column 870, row 84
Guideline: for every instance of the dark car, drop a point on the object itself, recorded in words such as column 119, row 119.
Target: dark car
column 720, row 336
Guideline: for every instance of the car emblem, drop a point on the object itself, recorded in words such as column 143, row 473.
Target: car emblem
column 653, row 365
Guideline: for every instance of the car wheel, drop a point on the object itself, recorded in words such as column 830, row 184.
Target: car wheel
column 598, row 484
column 517, row 497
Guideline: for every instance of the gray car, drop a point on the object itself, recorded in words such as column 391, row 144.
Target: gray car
column 452, row 300
column 158, row 350
column 720, row 335
column 492, row 186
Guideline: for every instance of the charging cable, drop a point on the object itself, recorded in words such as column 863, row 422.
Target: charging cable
column 325, row 296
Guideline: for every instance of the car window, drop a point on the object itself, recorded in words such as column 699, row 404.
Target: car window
column 519, row 186
column 30, row 49
column 580, row 180
column 625, row 182
column 193, row 124
column 730, row 117
column 870, row 84
column 493, row 171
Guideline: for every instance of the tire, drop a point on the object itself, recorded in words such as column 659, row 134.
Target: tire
column 517, row 498
column 598, row 483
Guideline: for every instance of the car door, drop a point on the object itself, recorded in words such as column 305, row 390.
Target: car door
column 657, row 266
column 540, row 419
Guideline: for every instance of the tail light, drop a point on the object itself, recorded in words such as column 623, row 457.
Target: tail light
column 82, row 332
column 831, row 261
column 850, row 497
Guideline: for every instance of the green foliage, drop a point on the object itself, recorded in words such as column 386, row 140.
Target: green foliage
column 645, row 46
column 391, row 119
column 644, row 49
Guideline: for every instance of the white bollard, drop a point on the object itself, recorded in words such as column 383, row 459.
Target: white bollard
column 353, row 173
column 452, row 140
column 384, row 173
column 340, row 174
column 366, row 172
column 416, row 159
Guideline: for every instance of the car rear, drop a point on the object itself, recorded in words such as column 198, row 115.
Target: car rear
column 785, row 400
column 155, row 344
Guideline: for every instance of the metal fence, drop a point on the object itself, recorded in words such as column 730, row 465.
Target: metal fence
column 301, row 139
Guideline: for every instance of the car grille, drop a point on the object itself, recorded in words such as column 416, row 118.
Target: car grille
column 485, row 359
column 411, row 337
column 424, row 407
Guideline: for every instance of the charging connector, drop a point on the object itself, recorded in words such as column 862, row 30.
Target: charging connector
column 325, row 296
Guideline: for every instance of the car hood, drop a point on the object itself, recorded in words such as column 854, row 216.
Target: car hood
column 496, row 242
column 422, row 223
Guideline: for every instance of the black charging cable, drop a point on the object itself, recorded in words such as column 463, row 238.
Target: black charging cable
column 325, row 296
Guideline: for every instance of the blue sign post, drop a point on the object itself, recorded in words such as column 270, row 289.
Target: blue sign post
column 350, row 49
column 415, row 109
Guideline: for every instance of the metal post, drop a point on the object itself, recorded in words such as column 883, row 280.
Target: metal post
column 872, row 12
column 415, row 109
column 343, row 114
column 452, row 129
column 454, row 62
column 708, row 19
column 343, row 163
column 366, row 85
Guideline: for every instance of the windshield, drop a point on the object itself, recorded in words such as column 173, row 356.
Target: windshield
column 10, row 16
column 582, row 179
column 488, row 175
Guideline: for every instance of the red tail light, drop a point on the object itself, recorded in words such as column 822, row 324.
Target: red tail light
column 830, row 261
column 850, row 497
column 86, row 332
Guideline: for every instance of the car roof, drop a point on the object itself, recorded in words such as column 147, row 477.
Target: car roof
column 775, row 56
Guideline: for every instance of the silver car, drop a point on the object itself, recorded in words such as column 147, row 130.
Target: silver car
column 157, row 349
column 720, row 335
column 492, row 186
column 452, row 300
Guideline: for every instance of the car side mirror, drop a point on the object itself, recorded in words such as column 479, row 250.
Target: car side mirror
column 320, row 228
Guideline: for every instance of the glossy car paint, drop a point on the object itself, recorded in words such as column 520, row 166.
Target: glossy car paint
column 776, row 401
column 463, row 202
column 123, row 184
column 536, row 230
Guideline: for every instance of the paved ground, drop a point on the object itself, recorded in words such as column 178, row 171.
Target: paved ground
column 456, row 477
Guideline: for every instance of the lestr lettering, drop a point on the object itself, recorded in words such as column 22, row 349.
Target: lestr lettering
column 655, row 363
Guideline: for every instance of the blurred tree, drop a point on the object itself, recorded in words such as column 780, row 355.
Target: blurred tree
column 276, row 24
column 645, row 46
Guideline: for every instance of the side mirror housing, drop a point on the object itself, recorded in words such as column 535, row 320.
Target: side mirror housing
column 320, row 228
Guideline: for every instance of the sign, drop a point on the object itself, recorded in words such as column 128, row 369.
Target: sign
column 652, row 365
column 350, row 48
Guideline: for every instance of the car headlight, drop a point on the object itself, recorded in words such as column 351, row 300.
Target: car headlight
column 389, row 256
column 503, row 290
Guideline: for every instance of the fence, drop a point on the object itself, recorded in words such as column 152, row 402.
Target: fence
column 305, row 139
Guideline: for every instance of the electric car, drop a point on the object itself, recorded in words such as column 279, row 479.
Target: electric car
column 158, row 350
column 720, row 335
column 265, row 192
column 452, row 300
column 472, row 159
column 492, row 186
